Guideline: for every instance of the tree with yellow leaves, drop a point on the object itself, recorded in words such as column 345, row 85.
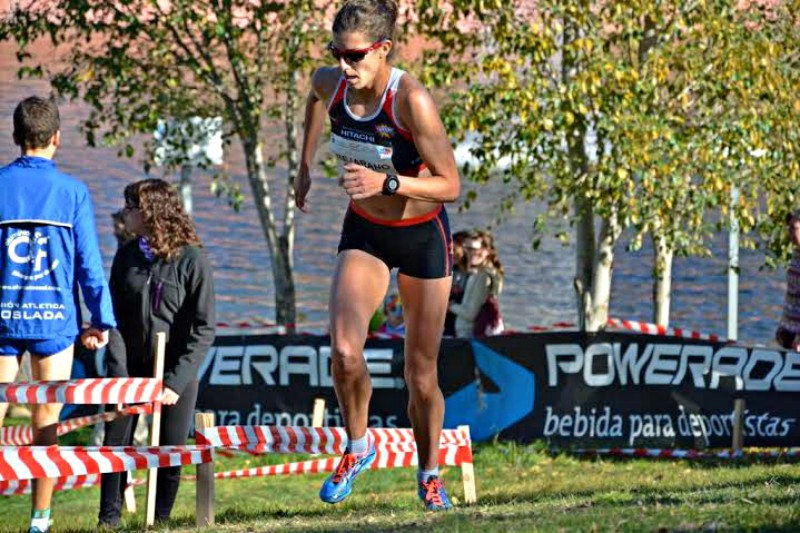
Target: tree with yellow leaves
column 636, row 115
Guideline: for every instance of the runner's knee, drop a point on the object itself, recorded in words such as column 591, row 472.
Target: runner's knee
column 422, row 384
column 346, row 357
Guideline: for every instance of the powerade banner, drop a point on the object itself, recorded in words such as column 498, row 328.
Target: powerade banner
column 571, row 389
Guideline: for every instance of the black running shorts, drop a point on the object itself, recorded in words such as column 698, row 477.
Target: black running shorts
column 420, row 247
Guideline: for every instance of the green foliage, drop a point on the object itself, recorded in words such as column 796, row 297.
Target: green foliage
column 649, row 111
column 139, row 61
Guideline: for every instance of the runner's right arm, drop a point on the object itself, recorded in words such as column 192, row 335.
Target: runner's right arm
column 321, row 88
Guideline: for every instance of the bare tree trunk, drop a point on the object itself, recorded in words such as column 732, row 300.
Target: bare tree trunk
column 186, row 187
column 282, row 274
column 291, row 112
column 603, row 269
column 662, row 281
column 584, row 214
column 584, row 259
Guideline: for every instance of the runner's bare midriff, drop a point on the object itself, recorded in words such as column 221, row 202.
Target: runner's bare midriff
column 396, row 207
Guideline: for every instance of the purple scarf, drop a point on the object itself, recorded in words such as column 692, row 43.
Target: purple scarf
column 144, row 246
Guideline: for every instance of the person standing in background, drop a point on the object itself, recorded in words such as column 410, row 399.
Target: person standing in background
column 478, row 313
column 393, row 322
column 788, row 332
column 49, row 248
column 160, row 282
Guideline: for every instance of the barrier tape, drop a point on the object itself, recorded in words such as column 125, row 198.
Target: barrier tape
column 23, row 486
column 32, row 462
column 655, row 329
column 632, row 325
column 23, row 435
column 394, row 448
column 93, row 391
column 297, row 439
column 450, row 456
column 17, row 488
column 666, row 453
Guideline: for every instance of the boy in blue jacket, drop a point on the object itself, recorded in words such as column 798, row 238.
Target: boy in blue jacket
column 48, row 246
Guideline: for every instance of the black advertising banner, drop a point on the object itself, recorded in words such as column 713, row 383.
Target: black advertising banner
column 572, row 389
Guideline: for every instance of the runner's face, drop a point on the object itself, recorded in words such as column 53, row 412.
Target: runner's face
column 359, row 58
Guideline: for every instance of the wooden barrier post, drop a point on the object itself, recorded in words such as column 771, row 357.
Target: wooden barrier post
column 129, row 495
column 205, row 478
column 318, row 416
column 738, row 425
column 155, row 429
column 468, row 472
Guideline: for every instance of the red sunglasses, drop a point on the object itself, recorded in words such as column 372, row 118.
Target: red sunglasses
column 354, row 55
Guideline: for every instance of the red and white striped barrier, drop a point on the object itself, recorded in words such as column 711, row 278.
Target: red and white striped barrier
column 23, row 486
column 450, row 456
column 33, row 462
column 23, row 435
column 327, row 440
column 92, row 391
column 16, row 488
column 655, row 329
column 667, row 453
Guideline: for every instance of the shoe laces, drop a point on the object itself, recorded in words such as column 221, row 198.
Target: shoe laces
column 347, row 462
column 433, row 491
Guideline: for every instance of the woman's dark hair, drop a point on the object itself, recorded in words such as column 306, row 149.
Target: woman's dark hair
column 121, row 232
column 168, row 226
column 375, row 18
column 36, row 120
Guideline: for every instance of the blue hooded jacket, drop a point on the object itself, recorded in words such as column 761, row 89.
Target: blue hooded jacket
column 48, row 246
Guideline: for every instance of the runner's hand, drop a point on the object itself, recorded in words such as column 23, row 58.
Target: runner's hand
column 93, row 338
column 360, row 182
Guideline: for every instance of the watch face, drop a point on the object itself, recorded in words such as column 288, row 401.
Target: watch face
column 394, row 183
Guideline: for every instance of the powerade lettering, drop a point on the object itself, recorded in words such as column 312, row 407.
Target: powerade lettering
column 606, row 364
column 248, row 365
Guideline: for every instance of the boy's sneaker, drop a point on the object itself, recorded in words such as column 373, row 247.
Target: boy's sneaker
column 339, row 485
column 433, row 495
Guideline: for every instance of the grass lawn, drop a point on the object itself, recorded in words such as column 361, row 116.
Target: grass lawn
column 520, row 488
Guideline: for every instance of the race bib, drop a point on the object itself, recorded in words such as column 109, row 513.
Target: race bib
column 372, row 156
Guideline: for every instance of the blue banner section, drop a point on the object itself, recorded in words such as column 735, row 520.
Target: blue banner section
column 569, row 388
column 489, row 413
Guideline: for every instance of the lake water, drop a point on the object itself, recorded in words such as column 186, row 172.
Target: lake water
column 538, row 288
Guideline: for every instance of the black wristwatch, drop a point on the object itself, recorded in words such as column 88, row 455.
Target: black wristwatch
column 390, row 184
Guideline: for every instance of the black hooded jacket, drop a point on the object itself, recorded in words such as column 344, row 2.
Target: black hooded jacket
column 176, row 297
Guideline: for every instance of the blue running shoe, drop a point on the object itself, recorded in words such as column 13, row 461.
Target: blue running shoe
column 433, row 495
column 340, row 484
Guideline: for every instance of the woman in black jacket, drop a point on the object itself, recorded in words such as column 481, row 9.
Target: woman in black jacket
column 160, row 282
